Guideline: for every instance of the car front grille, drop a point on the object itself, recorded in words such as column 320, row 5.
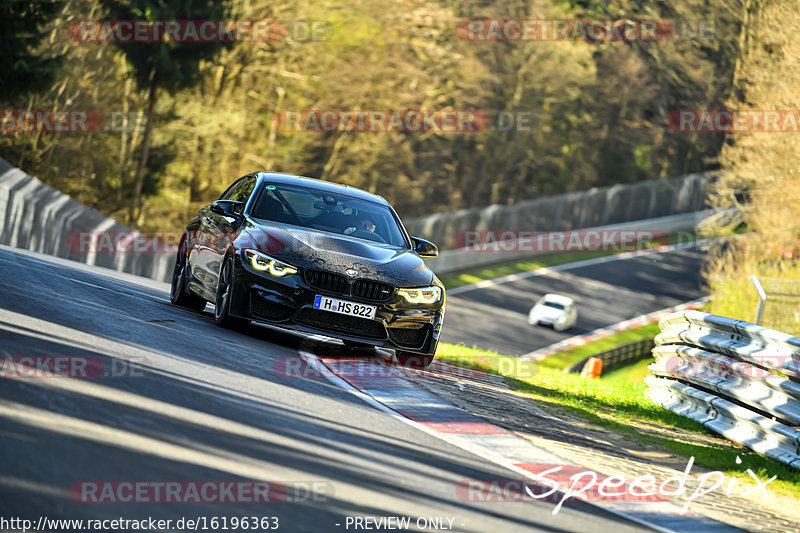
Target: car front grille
column 364, row 289
column 372, row 290
column 337, row 323
column 263, row 308
column 409, row 337
column 326, row 281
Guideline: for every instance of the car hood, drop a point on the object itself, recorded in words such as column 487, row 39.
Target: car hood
column 313, row 249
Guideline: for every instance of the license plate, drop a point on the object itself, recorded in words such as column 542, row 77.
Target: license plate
column 344, row 307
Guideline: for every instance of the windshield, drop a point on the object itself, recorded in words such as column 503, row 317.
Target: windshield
column 324, row 211
column 552, row 304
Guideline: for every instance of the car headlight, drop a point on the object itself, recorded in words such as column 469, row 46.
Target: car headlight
column 265, row 263
column 427, row 295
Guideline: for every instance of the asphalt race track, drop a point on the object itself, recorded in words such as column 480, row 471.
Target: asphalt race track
column 606, row 293
column 184, row 400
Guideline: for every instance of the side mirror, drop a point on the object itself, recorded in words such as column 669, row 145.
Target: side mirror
column 424, row 248
column 227, row 208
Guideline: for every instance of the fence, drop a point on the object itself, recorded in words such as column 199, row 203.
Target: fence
column 619, row 356
column 596, row 207
column 779, row 302
column 736, row 378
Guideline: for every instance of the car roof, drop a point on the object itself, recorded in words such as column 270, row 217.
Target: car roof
column 557, row 298
column 322, row 185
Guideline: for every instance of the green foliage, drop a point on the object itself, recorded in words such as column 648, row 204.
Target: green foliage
column 595, row 111
column 761, row 171
column 22, row 29
column 168, row 65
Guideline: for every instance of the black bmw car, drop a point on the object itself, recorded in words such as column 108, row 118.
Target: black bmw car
column 312, row 256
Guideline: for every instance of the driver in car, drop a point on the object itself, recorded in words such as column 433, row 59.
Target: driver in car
column 365, row 225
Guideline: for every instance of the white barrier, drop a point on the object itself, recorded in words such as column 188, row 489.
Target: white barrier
column 37, row 217
column 600, row 206
column 736, row 378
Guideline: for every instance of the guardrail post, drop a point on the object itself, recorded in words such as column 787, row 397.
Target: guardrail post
column 762, row 298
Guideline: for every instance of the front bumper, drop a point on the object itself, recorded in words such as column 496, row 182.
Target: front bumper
column 288, row 302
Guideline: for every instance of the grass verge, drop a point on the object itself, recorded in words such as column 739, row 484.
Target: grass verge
column 570, row 356
column 617, row 401
column 564, row 358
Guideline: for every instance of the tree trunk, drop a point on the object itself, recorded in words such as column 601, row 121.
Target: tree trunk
column 123, row 144
column 140, row 171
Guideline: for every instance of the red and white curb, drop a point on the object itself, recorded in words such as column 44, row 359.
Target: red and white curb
column 636, row 322
column 388, row 390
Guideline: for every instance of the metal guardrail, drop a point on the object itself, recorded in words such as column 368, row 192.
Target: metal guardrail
column 619, row 356
column 738, row 379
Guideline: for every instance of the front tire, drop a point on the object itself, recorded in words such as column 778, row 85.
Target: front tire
column 178, row 295
column 413, row 360
column 222, row 304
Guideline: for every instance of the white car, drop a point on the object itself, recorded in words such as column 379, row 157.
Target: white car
column 554, row 310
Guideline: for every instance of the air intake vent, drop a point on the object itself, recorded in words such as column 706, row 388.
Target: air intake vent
column 409, row 338
column 336, row 323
